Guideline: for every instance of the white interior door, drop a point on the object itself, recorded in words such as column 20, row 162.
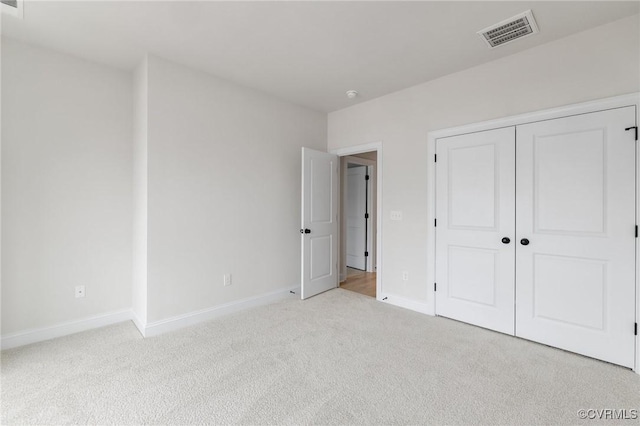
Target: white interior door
column 475, row 178
column 356, row 220
column 576, row 209
column 319, row 232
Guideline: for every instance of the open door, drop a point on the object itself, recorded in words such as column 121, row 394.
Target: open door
column 319, row 231
column 357, row 216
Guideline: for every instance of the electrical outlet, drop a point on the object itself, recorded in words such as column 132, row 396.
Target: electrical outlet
column 396, row 215
column 227, row 279
column 405, row 276
column 79, row 291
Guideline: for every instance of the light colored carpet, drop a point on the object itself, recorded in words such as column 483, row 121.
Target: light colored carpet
column 338, row 358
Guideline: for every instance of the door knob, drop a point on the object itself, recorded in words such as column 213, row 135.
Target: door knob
column 506, row 240
column 524, row 242
column 305, row 231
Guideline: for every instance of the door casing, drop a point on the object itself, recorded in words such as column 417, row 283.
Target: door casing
column 359, row 149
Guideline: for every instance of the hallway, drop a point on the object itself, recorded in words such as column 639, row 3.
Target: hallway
column 360, row 282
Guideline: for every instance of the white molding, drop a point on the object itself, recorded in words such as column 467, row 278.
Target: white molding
column 431, row 216
column 147, row 330
column 22, row 338
column 632, row 99
column 637, row 366
column 531, row 117
column 359, row 149
column 180, row 321
column 423, row 308
column 140, row 325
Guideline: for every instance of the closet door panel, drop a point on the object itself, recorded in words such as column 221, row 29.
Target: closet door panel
column 475, row 211
column 575, row 204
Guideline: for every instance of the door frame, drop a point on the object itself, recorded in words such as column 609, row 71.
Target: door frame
column 359, row 149
column 632, row 99
column 373, row 216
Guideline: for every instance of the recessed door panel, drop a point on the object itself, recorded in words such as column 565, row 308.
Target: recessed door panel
column 570, row 180
column 475, row 180
column 321, row 175
column 472, row 182
column 575, row 279
column 560, row 282
column 472, row 275
column 320, row 256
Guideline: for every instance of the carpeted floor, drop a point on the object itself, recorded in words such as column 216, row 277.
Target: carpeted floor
column 338, row 358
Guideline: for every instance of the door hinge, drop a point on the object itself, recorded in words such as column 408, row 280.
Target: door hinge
column 634, row 128
column 435, row 158
column 435, row 222
column 636, row 231
column 366, row 253
column 435, row 286
column 366, row 177
column 635, row 329
column 366, row 215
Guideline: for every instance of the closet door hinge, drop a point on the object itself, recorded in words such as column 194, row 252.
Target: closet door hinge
column 435, row 286
column 636, row 231
column 366, row 253
column 366, row 215
column 366, row 177
column 435, row 222
column 635, row 329
column 435, row 158
column 634, row 128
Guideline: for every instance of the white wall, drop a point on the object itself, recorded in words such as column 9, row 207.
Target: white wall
column 223, row 189
column 598, row 63
column 66, row 187
column 140, row 187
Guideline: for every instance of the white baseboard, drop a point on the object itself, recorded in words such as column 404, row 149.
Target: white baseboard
column 423, row 308
column 14, row 340
column 147, row 330
column 140, row 325
column 180, row 321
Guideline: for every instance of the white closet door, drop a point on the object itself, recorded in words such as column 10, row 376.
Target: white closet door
column 475, row 212
column 576, row 207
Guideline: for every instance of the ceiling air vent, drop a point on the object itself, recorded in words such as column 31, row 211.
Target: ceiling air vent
column 12, row 7
column 511, row 29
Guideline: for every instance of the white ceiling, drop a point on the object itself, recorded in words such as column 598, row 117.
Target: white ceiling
column 309, row 53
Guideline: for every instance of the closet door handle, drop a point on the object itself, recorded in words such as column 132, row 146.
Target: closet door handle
column 506, row 240
column 524, row 242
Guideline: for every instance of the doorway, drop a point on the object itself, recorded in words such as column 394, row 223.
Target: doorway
column 358, row 218
column 322, row 230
